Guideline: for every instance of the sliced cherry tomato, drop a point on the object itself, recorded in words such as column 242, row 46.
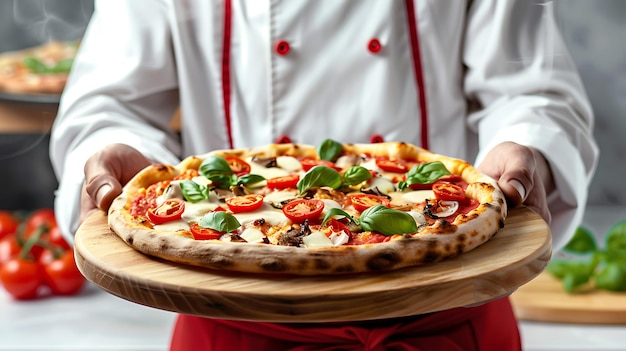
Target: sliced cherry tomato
column 337, row 226
column 285, row 182
column 448, row 191
column 169, row 210
column 454, row 179
column 245, row 203
column 21, row 278
column 308, row 163
column 394, row 166
column 367, row 238
column 302, row 209
column 238, row 166
column 62, row 275
column 201, row 233
column 8, row 223
column 362, row 202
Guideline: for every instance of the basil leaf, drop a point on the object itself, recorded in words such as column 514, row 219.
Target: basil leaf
column 387, row 221
column 611, row 277
column 35, row 65
column 220, row 221
column 63, row 66
column 582, row 242
column 426, row 173
column 335, row 212
column 319, row 176
column 250, row 179
column 329, row 150
column 214, row 165
column 355, row 175
column 616, row 237
column 193, row 192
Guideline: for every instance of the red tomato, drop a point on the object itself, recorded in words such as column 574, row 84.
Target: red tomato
column 245, row 203
column 62, row 275
column 55, row 237
column 169, row 210
column 362, row 202
column 9, row 248
column 367, row 238
column 302, row 209
column 21, row 279
column 39, row 217
column 448, row 191
column 237, row 165
column 337, row 226
column 394, row 166
column 8, row 223
column 308, row 163
column 289, row 181
column 454, row 179
column 202, row 233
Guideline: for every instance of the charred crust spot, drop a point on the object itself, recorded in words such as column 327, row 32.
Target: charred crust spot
column 273, row 265
column 501, row 222
column 221, row 261
column 384, row 260
column 432, row 256
column 161, row 167
column 164, row 245
column 461, row 238
column 459, row 249
column 321, row 264
column 130, row 239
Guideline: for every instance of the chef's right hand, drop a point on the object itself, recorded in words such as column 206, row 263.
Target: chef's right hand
column 106, row 172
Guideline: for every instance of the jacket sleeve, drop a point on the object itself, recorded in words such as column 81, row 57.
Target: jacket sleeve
column 528, row 89
column 122, row 89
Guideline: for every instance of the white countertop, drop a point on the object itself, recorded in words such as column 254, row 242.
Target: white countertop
column 96, row 320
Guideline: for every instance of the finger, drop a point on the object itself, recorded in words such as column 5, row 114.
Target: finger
column 102, row 189
column 87, row 205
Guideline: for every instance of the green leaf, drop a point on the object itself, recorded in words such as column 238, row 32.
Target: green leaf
column 387, row 221
column 573, row 280
column 220, row 221
column 356, row 175
column 611, row 277
column 572, row 273
column 35, row 65
column 616, row 237
column 329, row 150
column 214, row 165
column 335, row 211
column 250, row 179
column 194, row 192
column 583, row 242
column 319, row 176
column 426, row 173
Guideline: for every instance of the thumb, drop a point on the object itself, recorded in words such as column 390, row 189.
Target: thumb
column 103, row 189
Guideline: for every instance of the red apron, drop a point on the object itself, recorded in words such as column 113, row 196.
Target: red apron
column 491, row 326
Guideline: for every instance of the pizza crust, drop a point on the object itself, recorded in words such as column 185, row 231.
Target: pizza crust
column 431, row 244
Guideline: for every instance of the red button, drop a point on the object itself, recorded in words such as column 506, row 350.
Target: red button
column 376, row 138
column 283, row 140
column 282, row 48
column 374, row 46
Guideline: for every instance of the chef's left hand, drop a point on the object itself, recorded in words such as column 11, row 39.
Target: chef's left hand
column 523, row 174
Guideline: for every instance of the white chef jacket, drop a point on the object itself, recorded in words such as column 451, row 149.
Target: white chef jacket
column 456, row 77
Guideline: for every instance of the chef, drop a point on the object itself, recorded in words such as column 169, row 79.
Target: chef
column 487, row 81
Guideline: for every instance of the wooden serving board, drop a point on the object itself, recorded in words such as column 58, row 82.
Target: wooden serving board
column 543, row 299
column 517, row 254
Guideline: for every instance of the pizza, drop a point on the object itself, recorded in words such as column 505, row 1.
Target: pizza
column 309, row 210
column 37, row 70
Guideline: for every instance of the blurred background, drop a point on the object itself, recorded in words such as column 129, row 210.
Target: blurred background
column 593, row 30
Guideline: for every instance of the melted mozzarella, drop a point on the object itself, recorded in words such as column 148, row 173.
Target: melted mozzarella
column 252, row 235
column 280, row 195
column 417, row 196
column 289, row 163
column 317, row 239
column 173, row 226
column 267, row 212
column 267, row 173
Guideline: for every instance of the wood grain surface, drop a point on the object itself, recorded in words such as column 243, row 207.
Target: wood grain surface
column 517, row 254
column 544, row 300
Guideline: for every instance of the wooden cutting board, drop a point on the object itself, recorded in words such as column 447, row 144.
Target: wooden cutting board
column 543, row 299
column 518, row 253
